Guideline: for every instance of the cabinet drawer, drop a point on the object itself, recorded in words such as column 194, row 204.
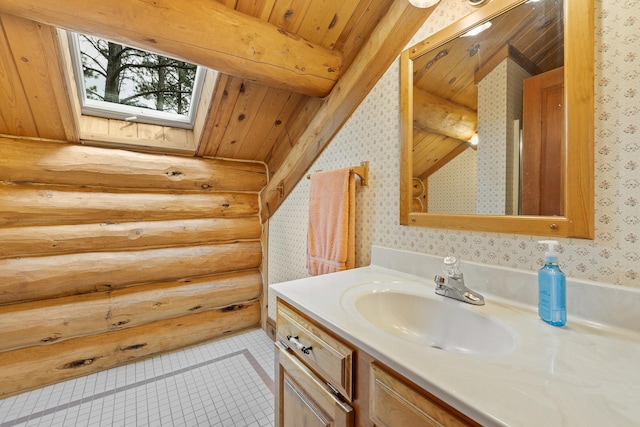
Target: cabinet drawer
column 302, row 399
column 320, row 351
column 394, row 402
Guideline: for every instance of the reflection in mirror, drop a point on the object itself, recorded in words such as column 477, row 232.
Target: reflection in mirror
column 497, row 121
column 468, row 103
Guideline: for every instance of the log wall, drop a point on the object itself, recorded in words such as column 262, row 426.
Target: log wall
column 109, row 256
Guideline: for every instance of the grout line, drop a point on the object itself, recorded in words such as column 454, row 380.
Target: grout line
column 65, row 406
column 256, row 366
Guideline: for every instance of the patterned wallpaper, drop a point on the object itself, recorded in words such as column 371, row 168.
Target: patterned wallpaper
column 452, row 188
column 499, row 104
column 373, row 133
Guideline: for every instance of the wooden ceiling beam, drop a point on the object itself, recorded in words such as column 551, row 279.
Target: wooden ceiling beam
column 389, row 38
column 434, row 114
column 201, row 31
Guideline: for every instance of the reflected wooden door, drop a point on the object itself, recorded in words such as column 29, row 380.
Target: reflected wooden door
column 543, row 154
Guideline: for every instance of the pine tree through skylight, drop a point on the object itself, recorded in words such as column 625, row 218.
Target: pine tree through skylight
column 131, row 84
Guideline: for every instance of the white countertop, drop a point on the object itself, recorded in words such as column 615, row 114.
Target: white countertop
column 586, row 373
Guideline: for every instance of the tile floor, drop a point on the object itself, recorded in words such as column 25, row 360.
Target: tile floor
column 228, row 382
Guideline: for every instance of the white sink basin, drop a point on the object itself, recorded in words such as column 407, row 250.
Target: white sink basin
column 411, row 312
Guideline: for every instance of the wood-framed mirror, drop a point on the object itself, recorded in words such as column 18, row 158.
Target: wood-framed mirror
column 563, row 202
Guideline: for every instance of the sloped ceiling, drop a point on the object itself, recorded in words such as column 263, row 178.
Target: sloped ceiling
column 252, row 113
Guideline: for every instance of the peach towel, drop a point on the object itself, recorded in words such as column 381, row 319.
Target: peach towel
column 331, row 235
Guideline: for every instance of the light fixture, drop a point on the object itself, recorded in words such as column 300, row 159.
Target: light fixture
column 423, row 3
column 474, row 139
column 476, row 2
column 477, row 30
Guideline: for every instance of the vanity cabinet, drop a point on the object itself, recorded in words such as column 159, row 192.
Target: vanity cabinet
column 303, row 399
column 314, row 373
column 395, row 402
column 322, row 380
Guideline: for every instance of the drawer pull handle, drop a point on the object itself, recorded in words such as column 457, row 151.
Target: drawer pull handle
column 298, row 344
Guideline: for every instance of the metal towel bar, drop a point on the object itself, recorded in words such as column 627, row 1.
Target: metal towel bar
column 362, row 171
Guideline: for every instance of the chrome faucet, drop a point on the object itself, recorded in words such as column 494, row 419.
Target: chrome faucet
column 452, row 286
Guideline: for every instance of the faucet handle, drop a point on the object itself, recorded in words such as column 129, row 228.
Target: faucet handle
column 452, row 267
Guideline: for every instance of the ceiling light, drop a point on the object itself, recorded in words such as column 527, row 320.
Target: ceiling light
column 423, row 3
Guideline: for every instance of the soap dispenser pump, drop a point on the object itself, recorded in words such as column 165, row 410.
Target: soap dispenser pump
column 552, row 288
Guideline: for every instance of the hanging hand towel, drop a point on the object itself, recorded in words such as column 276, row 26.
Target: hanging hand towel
column 331, row 235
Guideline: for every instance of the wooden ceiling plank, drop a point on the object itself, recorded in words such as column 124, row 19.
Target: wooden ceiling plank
column 292, row 105
column 15, row 111
column 257, row 134
column 244, row 114
column 204, row 106
column 224, row 100
column 542, row 46
column 281, row 148
column 393, row 32
column 228, row 3
column 289, row 14
column 257, row 8
column 35, row 65
column 209, row 129
column 201, row 31
column 60, row 83
column 435, row 151
column 448, row 71
column 325, row 21
column 359, row 28
column 295, row 128
column 424, row 145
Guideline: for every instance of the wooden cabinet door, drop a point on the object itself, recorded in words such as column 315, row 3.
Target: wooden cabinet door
column 303, row 399
column 395, row 403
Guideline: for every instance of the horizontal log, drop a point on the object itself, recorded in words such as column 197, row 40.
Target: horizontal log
column 33, row 367
column 43, row 205
column 200, row 31
column 58, row 319
column 63, row 239
column 438, row 115
column 38, row 278
column 24, row 161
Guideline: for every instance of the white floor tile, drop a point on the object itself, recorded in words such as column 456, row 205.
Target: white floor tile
column 228, row 382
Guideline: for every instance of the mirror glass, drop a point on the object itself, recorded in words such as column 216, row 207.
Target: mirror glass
column 489, row 124
column 468, row 105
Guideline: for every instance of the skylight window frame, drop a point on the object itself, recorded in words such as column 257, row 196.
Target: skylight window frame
column 111, row 110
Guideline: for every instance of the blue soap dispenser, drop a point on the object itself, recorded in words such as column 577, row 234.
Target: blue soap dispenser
column 552, row 287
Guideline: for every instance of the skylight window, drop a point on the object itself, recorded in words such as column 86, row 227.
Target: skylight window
column 120, row 82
